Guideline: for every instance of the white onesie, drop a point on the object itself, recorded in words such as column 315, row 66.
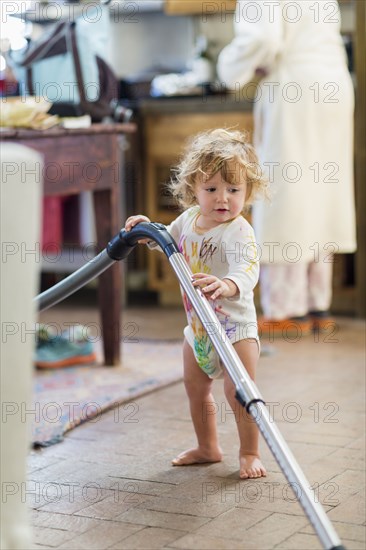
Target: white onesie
column 227, row 251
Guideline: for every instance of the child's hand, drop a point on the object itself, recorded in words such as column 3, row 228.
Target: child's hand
column 134, row 220
column 213, row 287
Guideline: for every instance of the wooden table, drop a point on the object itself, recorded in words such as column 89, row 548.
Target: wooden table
column 88, row 159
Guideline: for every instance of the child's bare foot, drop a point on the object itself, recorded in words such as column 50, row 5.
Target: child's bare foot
column 251, row 467
column 197, row 456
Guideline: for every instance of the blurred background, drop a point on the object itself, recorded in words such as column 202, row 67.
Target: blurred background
column 163, row 54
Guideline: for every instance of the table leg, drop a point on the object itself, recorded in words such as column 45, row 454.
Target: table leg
column 110, row 282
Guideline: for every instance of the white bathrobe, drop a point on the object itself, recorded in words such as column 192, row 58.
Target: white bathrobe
column 303, row 124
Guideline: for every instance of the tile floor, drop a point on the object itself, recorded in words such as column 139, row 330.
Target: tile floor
column 110, row 483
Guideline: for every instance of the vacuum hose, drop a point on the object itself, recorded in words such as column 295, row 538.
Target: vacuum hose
column 117, row 249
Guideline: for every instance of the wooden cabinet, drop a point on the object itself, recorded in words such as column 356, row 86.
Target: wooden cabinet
column 164, row 137
column 204, row 7
column 87, row 159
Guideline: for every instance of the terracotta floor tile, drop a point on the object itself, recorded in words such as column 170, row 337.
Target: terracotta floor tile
column 350, row 510
column 168, row 520
column 200, row 542
column 149, row 538
column 234, row 523
column 51, row 537
column 300, row 540
column 207, row 506
column 102, row 536
column 348, row 531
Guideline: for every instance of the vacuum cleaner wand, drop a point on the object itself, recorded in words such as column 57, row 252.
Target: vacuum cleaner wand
column 246, row 391
column 119, row 247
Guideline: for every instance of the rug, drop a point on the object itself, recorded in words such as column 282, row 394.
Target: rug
column 65, row 398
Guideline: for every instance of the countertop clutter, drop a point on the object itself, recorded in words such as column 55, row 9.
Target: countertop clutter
column 26, row 112
column 168, row 106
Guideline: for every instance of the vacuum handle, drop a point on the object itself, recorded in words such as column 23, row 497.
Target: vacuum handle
column 123, row 243
column 118, row 249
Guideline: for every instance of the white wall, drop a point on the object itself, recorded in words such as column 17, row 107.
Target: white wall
column 145, row 40
column 142, row 40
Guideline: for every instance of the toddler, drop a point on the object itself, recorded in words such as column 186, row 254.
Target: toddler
column 217, row 178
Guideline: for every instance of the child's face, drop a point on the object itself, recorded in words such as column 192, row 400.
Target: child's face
column 220, row 201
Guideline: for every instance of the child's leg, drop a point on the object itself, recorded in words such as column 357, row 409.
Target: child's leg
column 250, row 463
column 203, row 413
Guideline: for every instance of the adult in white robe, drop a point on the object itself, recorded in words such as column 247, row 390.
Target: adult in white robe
column 303, row 116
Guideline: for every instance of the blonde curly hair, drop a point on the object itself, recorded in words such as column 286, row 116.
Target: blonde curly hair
column 227, row 151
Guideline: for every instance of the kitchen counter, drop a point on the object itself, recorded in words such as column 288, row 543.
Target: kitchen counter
column 190, row 104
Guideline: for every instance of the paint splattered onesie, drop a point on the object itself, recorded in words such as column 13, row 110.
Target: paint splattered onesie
column 227, row 251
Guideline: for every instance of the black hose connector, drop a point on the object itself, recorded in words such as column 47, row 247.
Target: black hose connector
column 123, row 243
column 118, row 249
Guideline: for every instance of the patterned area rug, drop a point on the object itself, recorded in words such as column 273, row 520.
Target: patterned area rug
column 64, row 398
